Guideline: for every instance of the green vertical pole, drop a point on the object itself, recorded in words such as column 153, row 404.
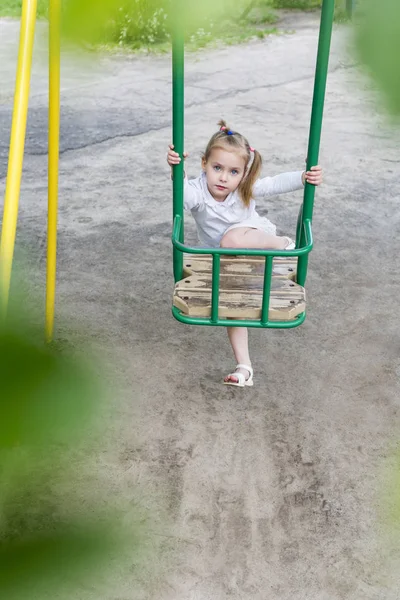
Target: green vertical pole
column 266, row 289
column 216, row 270
column 321, row 73
column 178, row 104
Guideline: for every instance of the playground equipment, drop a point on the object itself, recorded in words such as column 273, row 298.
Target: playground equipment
column 244, row 287
column 16, row 154
column 261, row 288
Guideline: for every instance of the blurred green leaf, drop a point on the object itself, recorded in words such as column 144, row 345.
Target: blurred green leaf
column 57, row 520
column 378, row 45
column 44, row 395
column 91, row 21
column 84, row 20
column 51, row 554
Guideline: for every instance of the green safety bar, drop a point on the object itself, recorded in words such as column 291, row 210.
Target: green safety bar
column 304, row 237
column 216, row 255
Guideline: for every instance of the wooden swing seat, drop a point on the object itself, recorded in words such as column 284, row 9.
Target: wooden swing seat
column 241, row 288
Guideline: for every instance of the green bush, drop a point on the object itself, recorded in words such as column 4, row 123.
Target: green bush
column 13, row 8
column 378, row 46
column 139, row 22
column 340, row 6
column 147, row 23
column 300, row 4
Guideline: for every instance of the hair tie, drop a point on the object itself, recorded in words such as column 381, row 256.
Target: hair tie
column 228, row 131
column 251, row 149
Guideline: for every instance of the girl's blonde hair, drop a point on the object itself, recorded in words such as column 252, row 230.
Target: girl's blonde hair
column 230, row 140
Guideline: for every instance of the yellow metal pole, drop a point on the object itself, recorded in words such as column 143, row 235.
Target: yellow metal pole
column 53, row 165
column 16, row 153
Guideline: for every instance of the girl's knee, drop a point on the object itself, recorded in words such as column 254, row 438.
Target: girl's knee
column 230, row 241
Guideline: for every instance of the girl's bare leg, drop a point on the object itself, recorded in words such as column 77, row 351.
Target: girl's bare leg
column 239, row 339
column 245, row 237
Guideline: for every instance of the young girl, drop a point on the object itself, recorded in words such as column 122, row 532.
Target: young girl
column 222, row 202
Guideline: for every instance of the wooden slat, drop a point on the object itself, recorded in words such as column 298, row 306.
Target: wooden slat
column 285, row 267
column 238, row 305
column 242, row 284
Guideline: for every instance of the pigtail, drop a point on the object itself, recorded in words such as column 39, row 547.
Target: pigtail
column 222, row 124
column 246, row 185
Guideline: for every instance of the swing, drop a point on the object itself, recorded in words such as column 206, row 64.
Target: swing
column 240, row 287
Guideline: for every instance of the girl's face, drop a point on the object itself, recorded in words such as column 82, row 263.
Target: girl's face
column 224, row 171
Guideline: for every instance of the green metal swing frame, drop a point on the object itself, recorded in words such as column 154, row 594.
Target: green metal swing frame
column 304, row 236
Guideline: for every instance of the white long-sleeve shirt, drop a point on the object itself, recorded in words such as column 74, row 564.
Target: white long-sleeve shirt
column 213, row 218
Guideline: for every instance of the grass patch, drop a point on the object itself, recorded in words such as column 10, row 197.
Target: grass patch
column 144, row 24
column 297, row 4
column 341, row 14
column 140, row 26
column 13, row 8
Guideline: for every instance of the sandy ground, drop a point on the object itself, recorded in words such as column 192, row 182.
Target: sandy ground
column 269, row 493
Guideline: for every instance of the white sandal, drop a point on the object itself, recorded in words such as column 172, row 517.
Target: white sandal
column 290, row 243
column 241, row 379
column 290, row 246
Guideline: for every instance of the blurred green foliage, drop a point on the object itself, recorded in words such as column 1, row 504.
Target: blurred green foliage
column 393, row 497
column 53, row 523
column 377, row 32
column 147, row 23
column 138, row 23
column 297, row 4
column 44, row 395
